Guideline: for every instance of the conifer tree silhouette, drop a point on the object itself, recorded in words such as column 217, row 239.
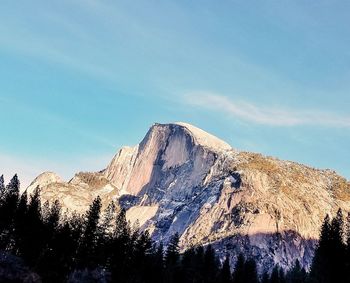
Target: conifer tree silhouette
column 225, row 272
column 86, row 256
column 8, row 205
column 2, row 184
column 172, row 260
column 239, row 272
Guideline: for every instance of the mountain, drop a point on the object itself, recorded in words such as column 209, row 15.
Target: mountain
column 182, row 179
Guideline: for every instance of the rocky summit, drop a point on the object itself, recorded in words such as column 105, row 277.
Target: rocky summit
column 182, row 179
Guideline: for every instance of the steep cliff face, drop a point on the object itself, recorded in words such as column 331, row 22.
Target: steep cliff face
column 169, row 153
column 182, row 179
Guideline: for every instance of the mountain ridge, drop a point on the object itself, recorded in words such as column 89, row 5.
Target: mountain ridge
column 182, row 179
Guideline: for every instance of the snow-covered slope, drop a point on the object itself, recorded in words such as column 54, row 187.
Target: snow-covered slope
column 182, row 179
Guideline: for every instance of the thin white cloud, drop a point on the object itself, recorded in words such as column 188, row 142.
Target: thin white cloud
column 265, row 115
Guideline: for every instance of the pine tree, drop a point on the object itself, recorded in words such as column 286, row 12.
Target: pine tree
column 239, row 271
column 172, row 254
column 20, row 226
column 52, row 221
column 199, row 263
column 347, row 249
column 108, row 220
column 35, row 233
column 122, row 228
column 105, row 234
column 13, row 186
column 87, row 249
column 321, row 264
column 296, row 274
column 329, row 263
column 159, row 255
column 2, row 190
column 157, row 263
column 172, row 257
column 210, row 264
column 337, row 249
column 121, row 249
column 141, row 260
column 275, row 275
column 50, row 264
column 225, row 273
column 245, row 271
column 8, row 205
column 187, row 266
column 67, row 244
column 2, row 184
column 251, row 274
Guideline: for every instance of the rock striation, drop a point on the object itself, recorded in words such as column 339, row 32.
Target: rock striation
column 182, row 179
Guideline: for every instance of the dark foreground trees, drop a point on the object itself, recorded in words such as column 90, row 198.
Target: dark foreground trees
column 331, row 261
column 101, row 246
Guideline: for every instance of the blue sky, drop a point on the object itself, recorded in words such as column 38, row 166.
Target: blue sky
column 80, row 78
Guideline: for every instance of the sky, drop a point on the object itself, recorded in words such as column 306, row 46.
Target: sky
column 81, row 78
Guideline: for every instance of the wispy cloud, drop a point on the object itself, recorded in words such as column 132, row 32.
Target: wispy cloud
column 263, row 114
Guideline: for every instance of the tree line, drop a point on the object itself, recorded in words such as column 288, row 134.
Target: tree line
column 102, row 246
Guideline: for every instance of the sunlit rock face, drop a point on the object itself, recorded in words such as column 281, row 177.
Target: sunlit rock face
column 182, row 179
column 43, row 179
column 77, row 194
column 171, row 154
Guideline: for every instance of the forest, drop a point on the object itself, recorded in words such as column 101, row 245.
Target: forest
column 40, row 243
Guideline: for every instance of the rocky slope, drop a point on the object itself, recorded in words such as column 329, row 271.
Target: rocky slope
column 182, row 179
column 77, row 194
